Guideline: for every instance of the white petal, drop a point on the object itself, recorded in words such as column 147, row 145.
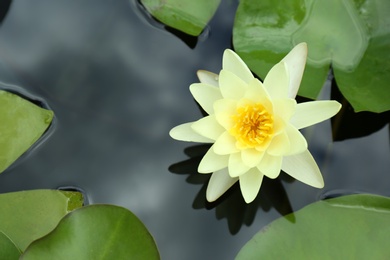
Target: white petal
column 303, row 168
column 205, row 95
column 208, row 77
column 219, row 183
column 251, row 157
column 280, row 145
column 284, row 108
column 313, row 112
column 232, row 62
column 258, row 94
column 279, row 124
column 276, row 82
column 250, row 183
column 184, row 132
column 224, row 109
column 231, row 85
column 236, row 166
column 225, row 144
column 270, row 165
column 208, row 127
column 295, row 61
column 212, row 162
column 298, row 143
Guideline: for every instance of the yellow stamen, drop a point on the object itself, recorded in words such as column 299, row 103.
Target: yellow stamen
column 253, row 125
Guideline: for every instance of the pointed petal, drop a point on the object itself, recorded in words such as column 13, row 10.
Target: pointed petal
column 212, row 162
column 258, row 94
column 313, row 112
column 284, row 108
column 224, row 109
column 236, row 166
column 298, row 143
column 219, row 183
column 280, row 145
column 303, row 168
column 295, row 61
column 231, row 85
column 208, row 77
column 276, row 82
column 251, row 157
column 279, row 124
column 250, row 183
column 270, row 165
column 208, row 127
column 205, row 95
column 225, row 144
column 184, row 132
column 232, row 62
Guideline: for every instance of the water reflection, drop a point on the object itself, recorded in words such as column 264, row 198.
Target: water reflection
column 231, row 204
column 117, row 86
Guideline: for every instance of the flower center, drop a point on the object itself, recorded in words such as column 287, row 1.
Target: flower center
column 253, row 125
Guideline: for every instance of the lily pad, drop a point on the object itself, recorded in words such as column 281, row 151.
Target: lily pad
column 96, row 232
column 187, row 16
column 22, row 124
column 8, row 249
column 348, row 227
column 28, row 215
column 351, row 36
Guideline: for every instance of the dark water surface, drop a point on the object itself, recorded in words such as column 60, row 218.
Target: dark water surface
column 117, row 83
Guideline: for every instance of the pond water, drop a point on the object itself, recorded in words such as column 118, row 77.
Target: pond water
column 117, row 82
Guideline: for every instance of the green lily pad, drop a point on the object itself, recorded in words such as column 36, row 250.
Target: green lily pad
column 8, row 250
column 187, row 16
column 96, row 232
column 22, row 124
column 352, row 36
column 348, row 227
column 28, row 215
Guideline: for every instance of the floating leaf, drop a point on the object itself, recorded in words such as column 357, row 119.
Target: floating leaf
column 348, row 124
column 352, row 36
column 348, row 227
column 8, row 250
column 28, row 215
column 21, row 124
column 187, row 16
column 96, row 232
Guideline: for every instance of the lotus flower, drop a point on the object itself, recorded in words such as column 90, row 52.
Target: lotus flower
column 254, row 126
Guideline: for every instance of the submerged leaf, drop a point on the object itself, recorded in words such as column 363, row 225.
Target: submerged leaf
column 21, row 124
column 96, row 232
column 348, row 227
column 351, row 36
column 187, row 16
column 28, row 215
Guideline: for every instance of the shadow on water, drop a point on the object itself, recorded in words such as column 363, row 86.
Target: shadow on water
column 231, row 205
column 348, row 124
column 118, row 82
column 4, row 7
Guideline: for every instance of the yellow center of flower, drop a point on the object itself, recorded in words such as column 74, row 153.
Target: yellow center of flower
column 253, row 125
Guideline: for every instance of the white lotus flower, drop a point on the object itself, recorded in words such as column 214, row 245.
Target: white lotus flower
column 254, row 126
